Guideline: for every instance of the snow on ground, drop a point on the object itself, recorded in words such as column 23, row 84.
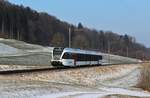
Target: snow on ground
column 5, row 49
column 123, row 91
column 13, row 52
column 35, row 89
column 24, row 46
column 75, row 95
column 14, row 47
column 19, row 67
column 125, row 78
column 97, row 82
column 37, row 59
column 96, row 94
column 117, row 75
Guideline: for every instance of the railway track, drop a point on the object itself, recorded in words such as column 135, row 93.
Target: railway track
column 43, row 69
column 7, row 72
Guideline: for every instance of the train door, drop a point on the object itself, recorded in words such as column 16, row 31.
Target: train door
column 75, row 58
column 97, row 58
column 100, row 59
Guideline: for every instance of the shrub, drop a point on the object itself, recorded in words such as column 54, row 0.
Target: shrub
column 145, row 77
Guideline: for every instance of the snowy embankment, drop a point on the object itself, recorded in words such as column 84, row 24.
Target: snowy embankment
column 7, row 50
column 13, row 52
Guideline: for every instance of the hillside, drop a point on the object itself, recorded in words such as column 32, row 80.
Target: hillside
column 13, row 52
column 23, row 23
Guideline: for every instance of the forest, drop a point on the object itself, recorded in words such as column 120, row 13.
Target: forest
column 25, row 24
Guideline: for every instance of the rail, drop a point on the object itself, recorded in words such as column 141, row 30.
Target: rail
column 7, row 72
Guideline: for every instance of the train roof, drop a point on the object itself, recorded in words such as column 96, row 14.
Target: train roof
column 81, row 51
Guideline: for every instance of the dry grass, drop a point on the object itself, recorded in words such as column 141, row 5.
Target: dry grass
column 145, row 77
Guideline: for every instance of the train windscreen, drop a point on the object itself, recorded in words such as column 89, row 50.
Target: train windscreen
column 57, row 53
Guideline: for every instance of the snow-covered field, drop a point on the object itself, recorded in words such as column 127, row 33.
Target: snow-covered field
column 6, row 50
column 13, row 52
column 117, row 81
column 54, row 90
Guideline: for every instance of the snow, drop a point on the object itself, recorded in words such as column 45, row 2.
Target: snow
column 13, row 52
column 75, row 94
column 123, row 91
column 105, row 92
column 40, row 86
column 5, row 49
column 125, row 78
column 19, row 48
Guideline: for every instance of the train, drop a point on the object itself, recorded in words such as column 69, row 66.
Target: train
column 70, row 57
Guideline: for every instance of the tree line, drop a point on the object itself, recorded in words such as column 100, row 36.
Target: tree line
column 23, row 23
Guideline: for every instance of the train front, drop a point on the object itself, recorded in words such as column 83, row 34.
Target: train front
column 56, row 55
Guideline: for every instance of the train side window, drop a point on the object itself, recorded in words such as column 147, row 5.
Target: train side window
column 90, row 58
column 94, row 57
column 67, row 56
column 97, row 57
column 82, row 57
column 74, row 56
column 78, row 57
column 86, row 57
column 100, row 58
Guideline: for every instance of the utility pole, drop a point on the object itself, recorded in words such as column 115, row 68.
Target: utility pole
column 143, row 57
column 127, row 51
column 2, row 26
column 108, row 45
column 18, row 35
column 69, row 37
column 11, row 31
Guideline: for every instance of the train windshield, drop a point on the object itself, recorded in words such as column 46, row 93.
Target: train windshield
column 57, row 53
